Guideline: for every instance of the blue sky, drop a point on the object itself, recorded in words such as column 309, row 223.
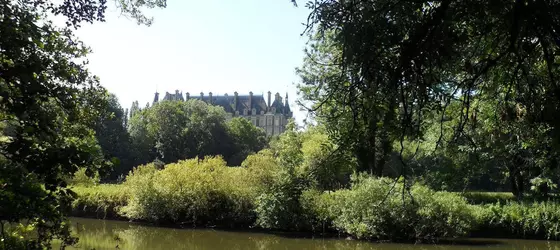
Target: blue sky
column 200, row 46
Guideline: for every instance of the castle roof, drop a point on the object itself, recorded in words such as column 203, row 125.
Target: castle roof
column 234, row 103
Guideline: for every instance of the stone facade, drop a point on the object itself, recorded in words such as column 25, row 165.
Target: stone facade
column 272, row 116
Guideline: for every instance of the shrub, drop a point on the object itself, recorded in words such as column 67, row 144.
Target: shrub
column 82, row 179
column 277, row 190
column 278, row 206
column 101, row 201
column 375, row 208
column 191, row 191
column 540, row 220
column 488, row 197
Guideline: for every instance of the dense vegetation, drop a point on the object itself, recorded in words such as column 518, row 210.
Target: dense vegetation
column 170, row 131
column 413, row 103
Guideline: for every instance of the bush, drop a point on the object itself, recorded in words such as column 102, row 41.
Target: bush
column 101, row 201
column 538, row 220
column 82, row 179
column 278, row 189
column 375, row 208
column 488, row 197
column 192, row 191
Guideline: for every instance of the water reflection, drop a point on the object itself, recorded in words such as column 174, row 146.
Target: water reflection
column 100, row 234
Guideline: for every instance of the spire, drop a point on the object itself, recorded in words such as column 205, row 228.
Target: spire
column 287, row 110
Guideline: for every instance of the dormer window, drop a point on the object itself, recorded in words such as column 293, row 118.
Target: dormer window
column 236, row 112
column 273, row 110
column 253, row 111
column 245, row 111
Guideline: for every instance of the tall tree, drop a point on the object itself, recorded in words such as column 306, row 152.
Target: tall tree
column 49, row 103
column 114, row 139
column 381, row 68
column 247, row 139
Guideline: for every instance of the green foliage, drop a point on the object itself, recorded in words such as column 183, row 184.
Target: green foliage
column 49, row 103
column 114, row 139
column 261, row 193
column 192, row 191
column 324, row 164
column 278, row 206
column 103, row 201
column 470, row 95
column 313, row 157
column 246, row 138
column 82, row 179
column 539, row 220
column 378, row 208
column 488, row 197
column 176, row 130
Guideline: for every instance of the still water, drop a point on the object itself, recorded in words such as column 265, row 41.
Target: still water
column 106, row 234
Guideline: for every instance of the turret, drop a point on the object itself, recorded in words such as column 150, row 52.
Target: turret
column 251, row 101
column 210, row 96
column 156, row 97
column 269, row 100
column 235, row 101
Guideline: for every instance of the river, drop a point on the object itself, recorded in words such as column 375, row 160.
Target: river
column 107, row 234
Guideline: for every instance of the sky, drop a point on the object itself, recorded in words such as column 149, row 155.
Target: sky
column 200, row 46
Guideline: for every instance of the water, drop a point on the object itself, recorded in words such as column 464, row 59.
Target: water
column 106, row 234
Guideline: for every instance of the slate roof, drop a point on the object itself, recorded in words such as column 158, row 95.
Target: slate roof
column 257, row 102
column 173, row 97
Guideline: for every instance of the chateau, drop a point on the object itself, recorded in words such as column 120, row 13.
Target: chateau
column 272, row 116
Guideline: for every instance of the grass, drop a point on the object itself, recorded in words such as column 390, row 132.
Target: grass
column 497, row 214
column 100, row 201
column 478, row 198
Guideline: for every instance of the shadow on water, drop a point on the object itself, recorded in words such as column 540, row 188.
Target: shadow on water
column 106, row 234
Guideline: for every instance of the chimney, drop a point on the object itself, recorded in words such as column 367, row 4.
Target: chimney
column 188, row 96
column 286, row 102
column 269, row 99
column 202, row 96
column 251, row 101
column 210, row 96
column 277, row 96
column 235, row 101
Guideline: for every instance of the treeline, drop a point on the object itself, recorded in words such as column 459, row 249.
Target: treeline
column 417, row 96
column 294, row 186
column 170, row 131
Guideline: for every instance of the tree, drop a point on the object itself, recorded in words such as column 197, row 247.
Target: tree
column 181, row 130
column 247, row 139
column 378, row 69
column 114, row 139
column 142, row 143
column 49, row 104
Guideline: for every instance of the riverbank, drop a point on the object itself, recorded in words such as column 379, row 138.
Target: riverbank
column 505, row 219
column 108, row 234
